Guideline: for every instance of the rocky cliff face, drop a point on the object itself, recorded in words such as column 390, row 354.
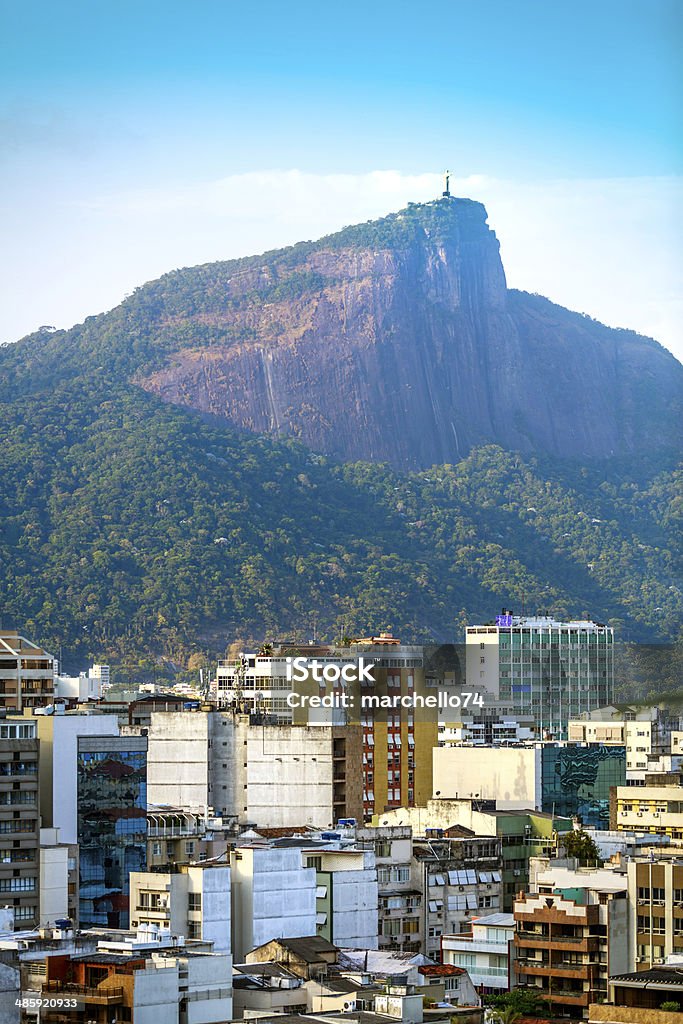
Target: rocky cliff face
column 399, row 341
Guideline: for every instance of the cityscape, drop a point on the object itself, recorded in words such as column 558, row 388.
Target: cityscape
column 341, row 605
column 220, row 853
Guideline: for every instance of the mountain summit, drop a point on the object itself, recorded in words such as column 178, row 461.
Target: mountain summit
column 399, row 341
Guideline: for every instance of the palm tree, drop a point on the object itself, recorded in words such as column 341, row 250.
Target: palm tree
column 506, row 1016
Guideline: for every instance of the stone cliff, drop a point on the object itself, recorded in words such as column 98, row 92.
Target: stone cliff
column 399, row 341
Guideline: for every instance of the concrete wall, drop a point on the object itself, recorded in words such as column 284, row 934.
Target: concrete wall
column 354, row 909
column 156, row 995
column 273, row 896
column 289, row 776
column 509, row 775
column 9, row 992
column 214, row 885
column 54, row 883
column 177, row 759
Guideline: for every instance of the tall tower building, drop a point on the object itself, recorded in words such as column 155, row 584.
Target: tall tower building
column 19, row 821
column 541, row 667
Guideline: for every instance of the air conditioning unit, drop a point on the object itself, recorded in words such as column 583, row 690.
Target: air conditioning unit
column 516, row 872
column 640, row 814
column 659, row 960
column 639, row 959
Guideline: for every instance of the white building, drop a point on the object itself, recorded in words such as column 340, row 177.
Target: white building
column 58, row 878
column 485, row 953
column 273, row 896
column 509, row 775
column 647, row 733
column 346, row 895
column 80, row 688
column 193, row 902
column 487, row 729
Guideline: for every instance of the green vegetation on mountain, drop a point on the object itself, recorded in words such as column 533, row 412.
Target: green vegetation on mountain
column 130, row 526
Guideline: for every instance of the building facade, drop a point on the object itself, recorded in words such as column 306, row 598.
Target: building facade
column 26, row 673
column 273, row 896
column 569, row 779
column 655, row 807
column 460, row 878
column 568, row 948
column 19, row 821
column 346, row 895
column 112, row 825
column 655, row 890
column 484, row 952
column 553, row 671
column 192, row 902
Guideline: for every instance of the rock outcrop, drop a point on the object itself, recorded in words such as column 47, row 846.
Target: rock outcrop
column 399, row 341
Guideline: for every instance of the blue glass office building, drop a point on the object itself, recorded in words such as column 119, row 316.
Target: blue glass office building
column 576, row 781
column 112, row 825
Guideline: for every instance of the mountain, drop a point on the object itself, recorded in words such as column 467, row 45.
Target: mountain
column 399, row 341
column 365, row 431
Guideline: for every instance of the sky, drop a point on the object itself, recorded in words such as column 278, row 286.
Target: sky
column 140, row 137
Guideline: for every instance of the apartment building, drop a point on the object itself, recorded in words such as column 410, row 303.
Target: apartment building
column 523, row 834
column 655, row 891
column 146, row 978
column 192, row 902
column 484, row 952
column 26, row 673
column 646, row 733
column 551, row 670
column 19, row 821
column 656, row 806
column 397, row 743
column 568, row 946
column 399, row 900
column 346, row 895
column 273, row 895
column 460, row 878
column 489, row 728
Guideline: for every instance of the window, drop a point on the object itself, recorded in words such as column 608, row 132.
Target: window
column 194, row 901
column 392, row 927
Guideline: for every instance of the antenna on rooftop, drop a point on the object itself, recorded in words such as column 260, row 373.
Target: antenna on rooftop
column 447, row 192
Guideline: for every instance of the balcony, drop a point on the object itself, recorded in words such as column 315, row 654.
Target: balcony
column 568, row 997
column 538, row 968
column 84, row 994
column 579, row 943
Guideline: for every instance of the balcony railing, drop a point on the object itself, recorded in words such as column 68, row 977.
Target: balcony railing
column 84, row 992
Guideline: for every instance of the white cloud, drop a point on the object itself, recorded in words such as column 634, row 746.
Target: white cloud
column 610, row 248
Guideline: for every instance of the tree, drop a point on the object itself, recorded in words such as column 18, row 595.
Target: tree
column 506, row 1016
column 581, row 845
column 522, row 1002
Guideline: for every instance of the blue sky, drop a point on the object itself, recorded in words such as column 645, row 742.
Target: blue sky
column 122, row 123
